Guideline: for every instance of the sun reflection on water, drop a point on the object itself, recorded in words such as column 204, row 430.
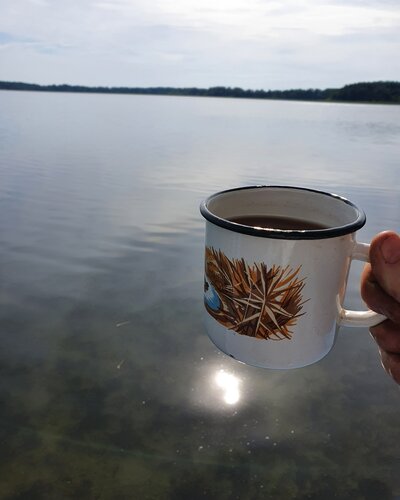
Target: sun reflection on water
column 229, row 383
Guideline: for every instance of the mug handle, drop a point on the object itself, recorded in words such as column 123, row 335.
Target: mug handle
column 359, row 318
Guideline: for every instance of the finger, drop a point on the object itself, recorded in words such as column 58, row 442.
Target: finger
column 387, row 336
column 391, row 363
column 384, row 256
column 376, row 298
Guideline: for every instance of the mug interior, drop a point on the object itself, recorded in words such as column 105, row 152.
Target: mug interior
column 337, row 215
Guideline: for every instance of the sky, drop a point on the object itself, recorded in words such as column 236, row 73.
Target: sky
column 255, row 44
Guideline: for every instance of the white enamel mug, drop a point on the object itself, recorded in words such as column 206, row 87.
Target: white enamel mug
column 273, row 297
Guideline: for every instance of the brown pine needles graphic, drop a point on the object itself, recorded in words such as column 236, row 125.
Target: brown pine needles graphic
column 255, row 301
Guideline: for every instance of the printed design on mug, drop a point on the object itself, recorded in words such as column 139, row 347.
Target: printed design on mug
column 253, row 300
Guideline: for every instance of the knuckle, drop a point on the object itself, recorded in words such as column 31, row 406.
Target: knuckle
column 394, row 291
column 387, row 336
column 370, row 293
column 391, row 364
column 393, row 312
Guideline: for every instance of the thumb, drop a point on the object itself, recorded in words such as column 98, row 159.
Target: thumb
column 384, row 256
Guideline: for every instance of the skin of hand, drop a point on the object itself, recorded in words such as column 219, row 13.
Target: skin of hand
column 380, row 289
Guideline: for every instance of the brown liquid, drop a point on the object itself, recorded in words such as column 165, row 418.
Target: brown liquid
column 273, row 222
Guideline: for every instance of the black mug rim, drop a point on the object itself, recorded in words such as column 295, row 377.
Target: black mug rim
column 289, row 234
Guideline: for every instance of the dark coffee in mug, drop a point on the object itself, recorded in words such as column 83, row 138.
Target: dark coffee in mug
column 274, row 222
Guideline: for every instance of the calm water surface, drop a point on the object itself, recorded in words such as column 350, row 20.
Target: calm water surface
column 108, row 381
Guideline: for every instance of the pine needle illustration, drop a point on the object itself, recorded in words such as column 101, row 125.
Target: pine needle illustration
column 251, row 299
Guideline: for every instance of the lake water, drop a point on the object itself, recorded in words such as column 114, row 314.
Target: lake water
column 108, row 381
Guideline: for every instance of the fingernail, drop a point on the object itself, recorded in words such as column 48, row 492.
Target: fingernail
column 391, row 249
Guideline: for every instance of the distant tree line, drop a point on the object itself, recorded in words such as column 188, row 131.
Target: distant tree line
column 373, row 92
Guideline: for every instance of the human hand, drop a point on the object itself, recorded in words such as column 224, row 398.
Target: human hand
column 380, row 289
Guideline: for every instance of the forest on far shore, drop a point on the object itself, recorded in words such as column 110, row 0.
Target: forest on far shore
column 385, row 92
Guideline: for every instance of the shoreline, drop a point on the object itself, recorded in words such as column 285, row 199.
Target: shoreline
column 345, row 95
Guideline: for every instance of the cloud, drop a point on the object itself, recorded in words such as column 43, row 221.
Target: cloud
column 365, row 3
column 9, row 41
column 249, row 43
column 8, row 38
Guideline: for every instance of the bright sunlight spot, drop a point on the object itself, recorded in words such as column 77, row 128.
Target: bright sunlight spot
column 230, row 386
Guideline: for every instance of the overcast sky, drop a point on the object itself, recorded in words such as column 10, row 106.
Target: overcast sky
column 247, row 43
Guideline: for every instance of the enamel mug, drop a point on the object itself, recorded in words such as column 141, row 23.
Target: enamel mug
column 273, row 297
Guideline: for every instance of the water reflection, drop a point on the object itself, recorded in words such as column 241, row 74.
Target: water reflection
column 229, row 384
column 104, row 359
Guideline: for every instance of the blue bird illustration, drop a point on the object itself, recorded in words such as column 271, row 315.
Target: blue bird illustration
column 211, row 297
